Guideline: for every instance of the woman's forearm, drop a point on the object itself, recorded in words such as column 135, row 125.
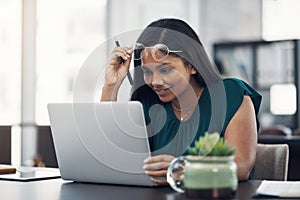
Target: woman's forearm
column 109, row 93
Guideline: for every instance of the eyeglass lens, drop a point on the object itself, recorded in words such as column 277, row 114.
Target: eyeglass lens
column 159, row 51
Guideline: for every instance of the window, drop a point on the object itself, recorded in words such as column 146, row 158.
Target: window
column 280, row 19
column 67, row 31
column 10, row 61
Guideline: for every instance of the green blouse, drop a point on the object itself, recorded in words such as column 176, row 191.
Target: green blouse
column 217, row 105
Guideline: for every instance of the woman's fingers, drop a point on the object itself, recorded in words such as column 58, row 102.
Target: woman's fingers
column 158, row 177
column 156, row 166
column 118, row 65
column 159, row 158
column 157, row 162
column 159, row 181
column 121, row 52
column 160, row 173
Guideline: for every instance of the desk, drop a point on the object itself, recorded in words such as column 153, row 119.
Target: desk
column 58, row 189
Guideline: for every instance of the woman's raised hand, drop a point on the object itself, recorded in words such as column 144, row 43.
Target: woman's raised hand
column 118, row 66
column 115, row 72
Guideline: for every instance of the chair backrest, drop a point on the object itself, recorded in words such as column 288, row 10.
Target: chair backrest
column 5, row 144
column 271, row 162
column 46, row 147
column 276, row 130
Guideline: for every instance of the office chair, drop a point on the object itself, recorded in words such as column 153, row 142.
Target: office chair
column 271, row 162
column 5, row 144
column 276, row 130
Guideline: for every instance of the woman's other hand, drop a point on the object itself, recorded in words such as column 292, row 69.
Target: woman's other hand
column 156, row 167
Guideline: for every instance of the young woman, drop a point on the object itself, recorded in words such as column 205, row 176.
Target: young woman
column 184, row 96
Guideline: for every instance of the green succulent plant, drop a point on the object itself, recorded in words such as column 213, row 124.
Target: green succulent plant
column 211, row 144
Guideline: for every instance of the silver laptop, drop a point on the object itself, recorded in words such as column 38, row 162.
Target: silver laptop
column 100, row 142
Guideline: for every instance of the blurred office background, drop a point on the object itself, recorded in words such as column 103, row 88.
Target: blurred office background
column 44, row 43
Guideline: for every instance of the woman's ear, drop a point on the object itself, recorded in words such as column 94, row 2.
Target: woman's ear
column 193, row 70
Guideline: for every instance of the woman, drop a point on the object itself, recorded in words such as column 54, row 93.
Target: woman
column 184, row 96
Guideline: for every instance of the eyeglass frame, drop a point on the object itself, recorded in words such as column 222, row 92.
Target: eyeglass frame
column 153, row 50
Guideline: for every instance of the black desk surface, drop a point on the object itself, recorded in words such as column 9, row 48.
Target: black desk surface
column 58, row 189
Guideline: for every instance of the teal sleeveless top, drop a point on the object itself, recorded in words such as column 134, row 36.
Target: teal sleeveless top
column 217, row 105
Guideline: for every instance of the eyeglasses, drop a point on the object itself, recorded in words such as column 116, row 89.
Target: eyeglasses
column 159, row 51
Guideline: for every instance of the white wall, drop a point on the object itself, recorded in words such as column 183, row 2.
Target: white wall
column 230, row 20
column 213, row 20
column 128, row 15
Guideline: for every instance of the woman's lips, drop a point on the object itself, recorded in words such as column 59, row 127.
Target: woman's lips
column 161, row 91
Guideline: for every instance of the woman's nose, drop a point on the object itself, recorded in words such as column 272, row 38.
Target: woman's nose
column 157, row 80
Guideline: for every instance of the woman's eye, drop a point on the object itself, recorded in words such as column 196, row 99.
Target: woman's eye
column 146, row 71
column 165, row 70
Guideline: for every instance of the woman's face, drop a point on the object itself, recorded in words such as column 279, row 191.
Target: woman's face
column 169, row 78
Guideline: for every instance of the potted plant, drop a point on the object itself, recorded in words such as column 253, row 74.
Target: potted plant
column 209, row 171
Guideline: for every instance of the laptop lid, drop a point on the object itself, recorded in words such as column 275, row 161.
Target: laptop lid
column 103, row 142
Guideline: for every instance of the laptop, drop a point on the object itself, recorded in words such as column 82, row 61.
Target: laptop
column 103, row 142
